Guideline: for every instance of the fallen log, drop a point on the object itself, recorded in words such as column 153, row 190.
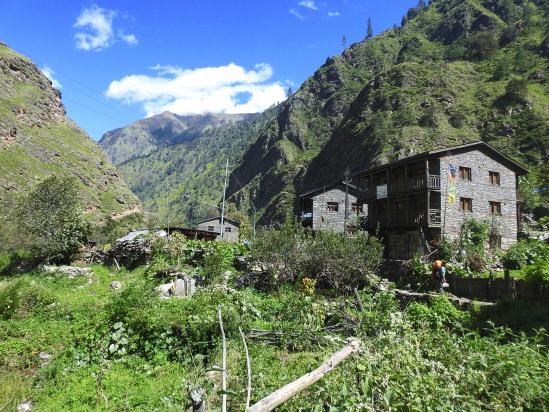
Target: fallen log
column 290, row 390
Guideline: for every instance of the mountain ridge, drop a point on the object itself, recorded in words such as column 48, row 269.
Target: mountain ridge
column 37, row 140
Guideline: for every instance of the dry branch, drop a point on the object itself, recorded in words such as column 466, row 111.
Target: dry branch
column 248, row 369
column 223, row 363
column 286, row 392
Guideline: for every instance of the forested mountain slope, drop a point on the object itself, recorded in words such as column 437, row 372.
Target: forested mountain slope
column 455, row 71
column 175, row 164
column 37, row 140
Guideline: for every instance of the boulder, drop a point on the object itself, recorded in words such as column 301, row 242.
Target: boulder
column 70, row 271
column 25, row 406
column 115, row 285
column 180, row 287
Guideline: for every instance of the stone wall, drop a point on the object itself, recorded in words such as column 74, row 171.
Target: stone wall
column 215, row 223
column 323, row 219
column 482, row 193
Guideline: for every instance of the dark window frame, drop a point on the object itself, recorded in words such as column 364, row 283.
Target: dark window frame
column 465, row 173
column 495, row 208
column 494, row 178
column 466, row 204
column 228, row 229
column 211, row 229
column 356, row 208
column 332, row 207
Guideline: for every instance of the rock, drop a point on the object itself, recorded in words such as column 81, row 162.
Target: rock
column 180, row 287
column 70, row 271
column 115, row 285
column 24, row 406
column 45, row 356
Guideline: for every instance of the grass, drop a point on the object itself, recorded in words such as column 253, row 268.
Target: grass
column 173, row 345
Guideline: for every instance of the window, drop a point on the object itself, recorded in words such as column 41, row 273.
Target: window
column 332, row 206
column 228, row 229
column 495, row 208
column 465, row 204
column 494, row 242
column 356, row 208
column 464, row 173
column 210, row 228
column 493, row 178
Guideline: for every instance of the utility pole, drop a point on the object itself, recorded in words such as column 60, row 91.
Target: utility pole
column 347, row 172
column 223, row 204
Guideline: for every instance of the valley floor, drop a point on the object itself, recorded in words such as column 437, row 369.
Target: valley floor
column 80, row 345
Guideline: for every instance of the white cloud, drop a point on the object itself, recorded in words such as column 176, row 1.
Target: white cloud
column 201, row 90
column 297, row 14
column 50, row 74
column 333, row 14
column 97, row 30
column 308, row 4
column 128, row 38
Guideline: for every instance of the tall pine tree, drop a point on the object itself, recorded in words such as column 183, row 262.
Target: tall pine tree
column 370, row 33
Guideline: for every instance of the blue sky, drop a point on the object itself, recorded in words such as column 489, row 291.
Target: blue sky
column 119, row 61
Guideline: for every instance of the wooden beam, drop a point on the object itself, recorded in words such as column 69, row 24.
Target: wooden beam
column 281, row 395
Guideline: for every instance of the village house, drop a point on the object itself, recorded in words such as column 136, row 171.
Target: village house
column 324, row 208
column 415, row 202
column 229, row 229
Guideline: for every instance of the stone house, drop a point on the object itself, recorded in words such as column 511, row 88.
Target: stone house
column 230, row 228
column 324, row 208
column 415, row 202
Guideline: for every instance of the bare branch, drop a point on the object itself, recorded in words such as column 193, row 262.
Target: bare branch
column 248, row 369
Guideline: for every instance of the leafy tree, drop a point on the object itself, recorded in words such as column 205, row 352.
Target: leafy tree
column 344, row 41
column 483, row 45
column 51, row 217
column 502, row 69
column 516, row 89
column 370, row 32
column 289, row 92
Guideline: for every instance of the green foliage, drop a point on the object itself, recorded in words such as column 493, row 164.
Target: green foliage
column 516, row 89
column 333, row 259
column 439, row 313
column 22, row 297
column 531, row 188
column 51, row 217
column 483, row 45
column 525, row 252
column 472, row 244
column 539, row 271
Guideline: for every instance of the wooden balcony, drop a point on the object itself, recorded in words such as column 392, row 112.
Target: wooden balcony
column 399, row 220
column 401, row 187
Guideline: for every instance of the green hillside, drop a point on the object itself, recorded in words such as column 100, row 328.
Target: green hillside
column 175, row 164
column 37, row 140
column 455, row 71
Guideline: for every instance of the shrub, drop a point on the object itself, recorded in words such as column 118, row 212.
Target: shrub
column 538, row 271
column 525, row 252
column 51, row 216
column 342, row 262
column 22, row 297
column 280, row 251
column 516, row 90
column 483, row 45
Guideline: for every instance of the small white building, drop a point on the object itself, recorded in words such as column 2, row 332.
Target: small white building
column 230, row 229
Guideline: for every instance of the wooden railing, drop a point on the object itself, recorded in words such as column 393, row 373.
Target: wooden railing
column 411, row 219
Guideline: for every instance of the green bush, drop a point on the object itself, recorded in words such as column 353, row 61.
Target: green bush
column 335, row 260
column 538, row 271
column 52, row 218
column 525, row 252
column 20, row 298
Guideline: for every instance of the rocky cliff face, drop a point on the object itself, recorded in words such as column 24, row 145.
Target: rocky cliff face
column 456, row 71
column 37, row 140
